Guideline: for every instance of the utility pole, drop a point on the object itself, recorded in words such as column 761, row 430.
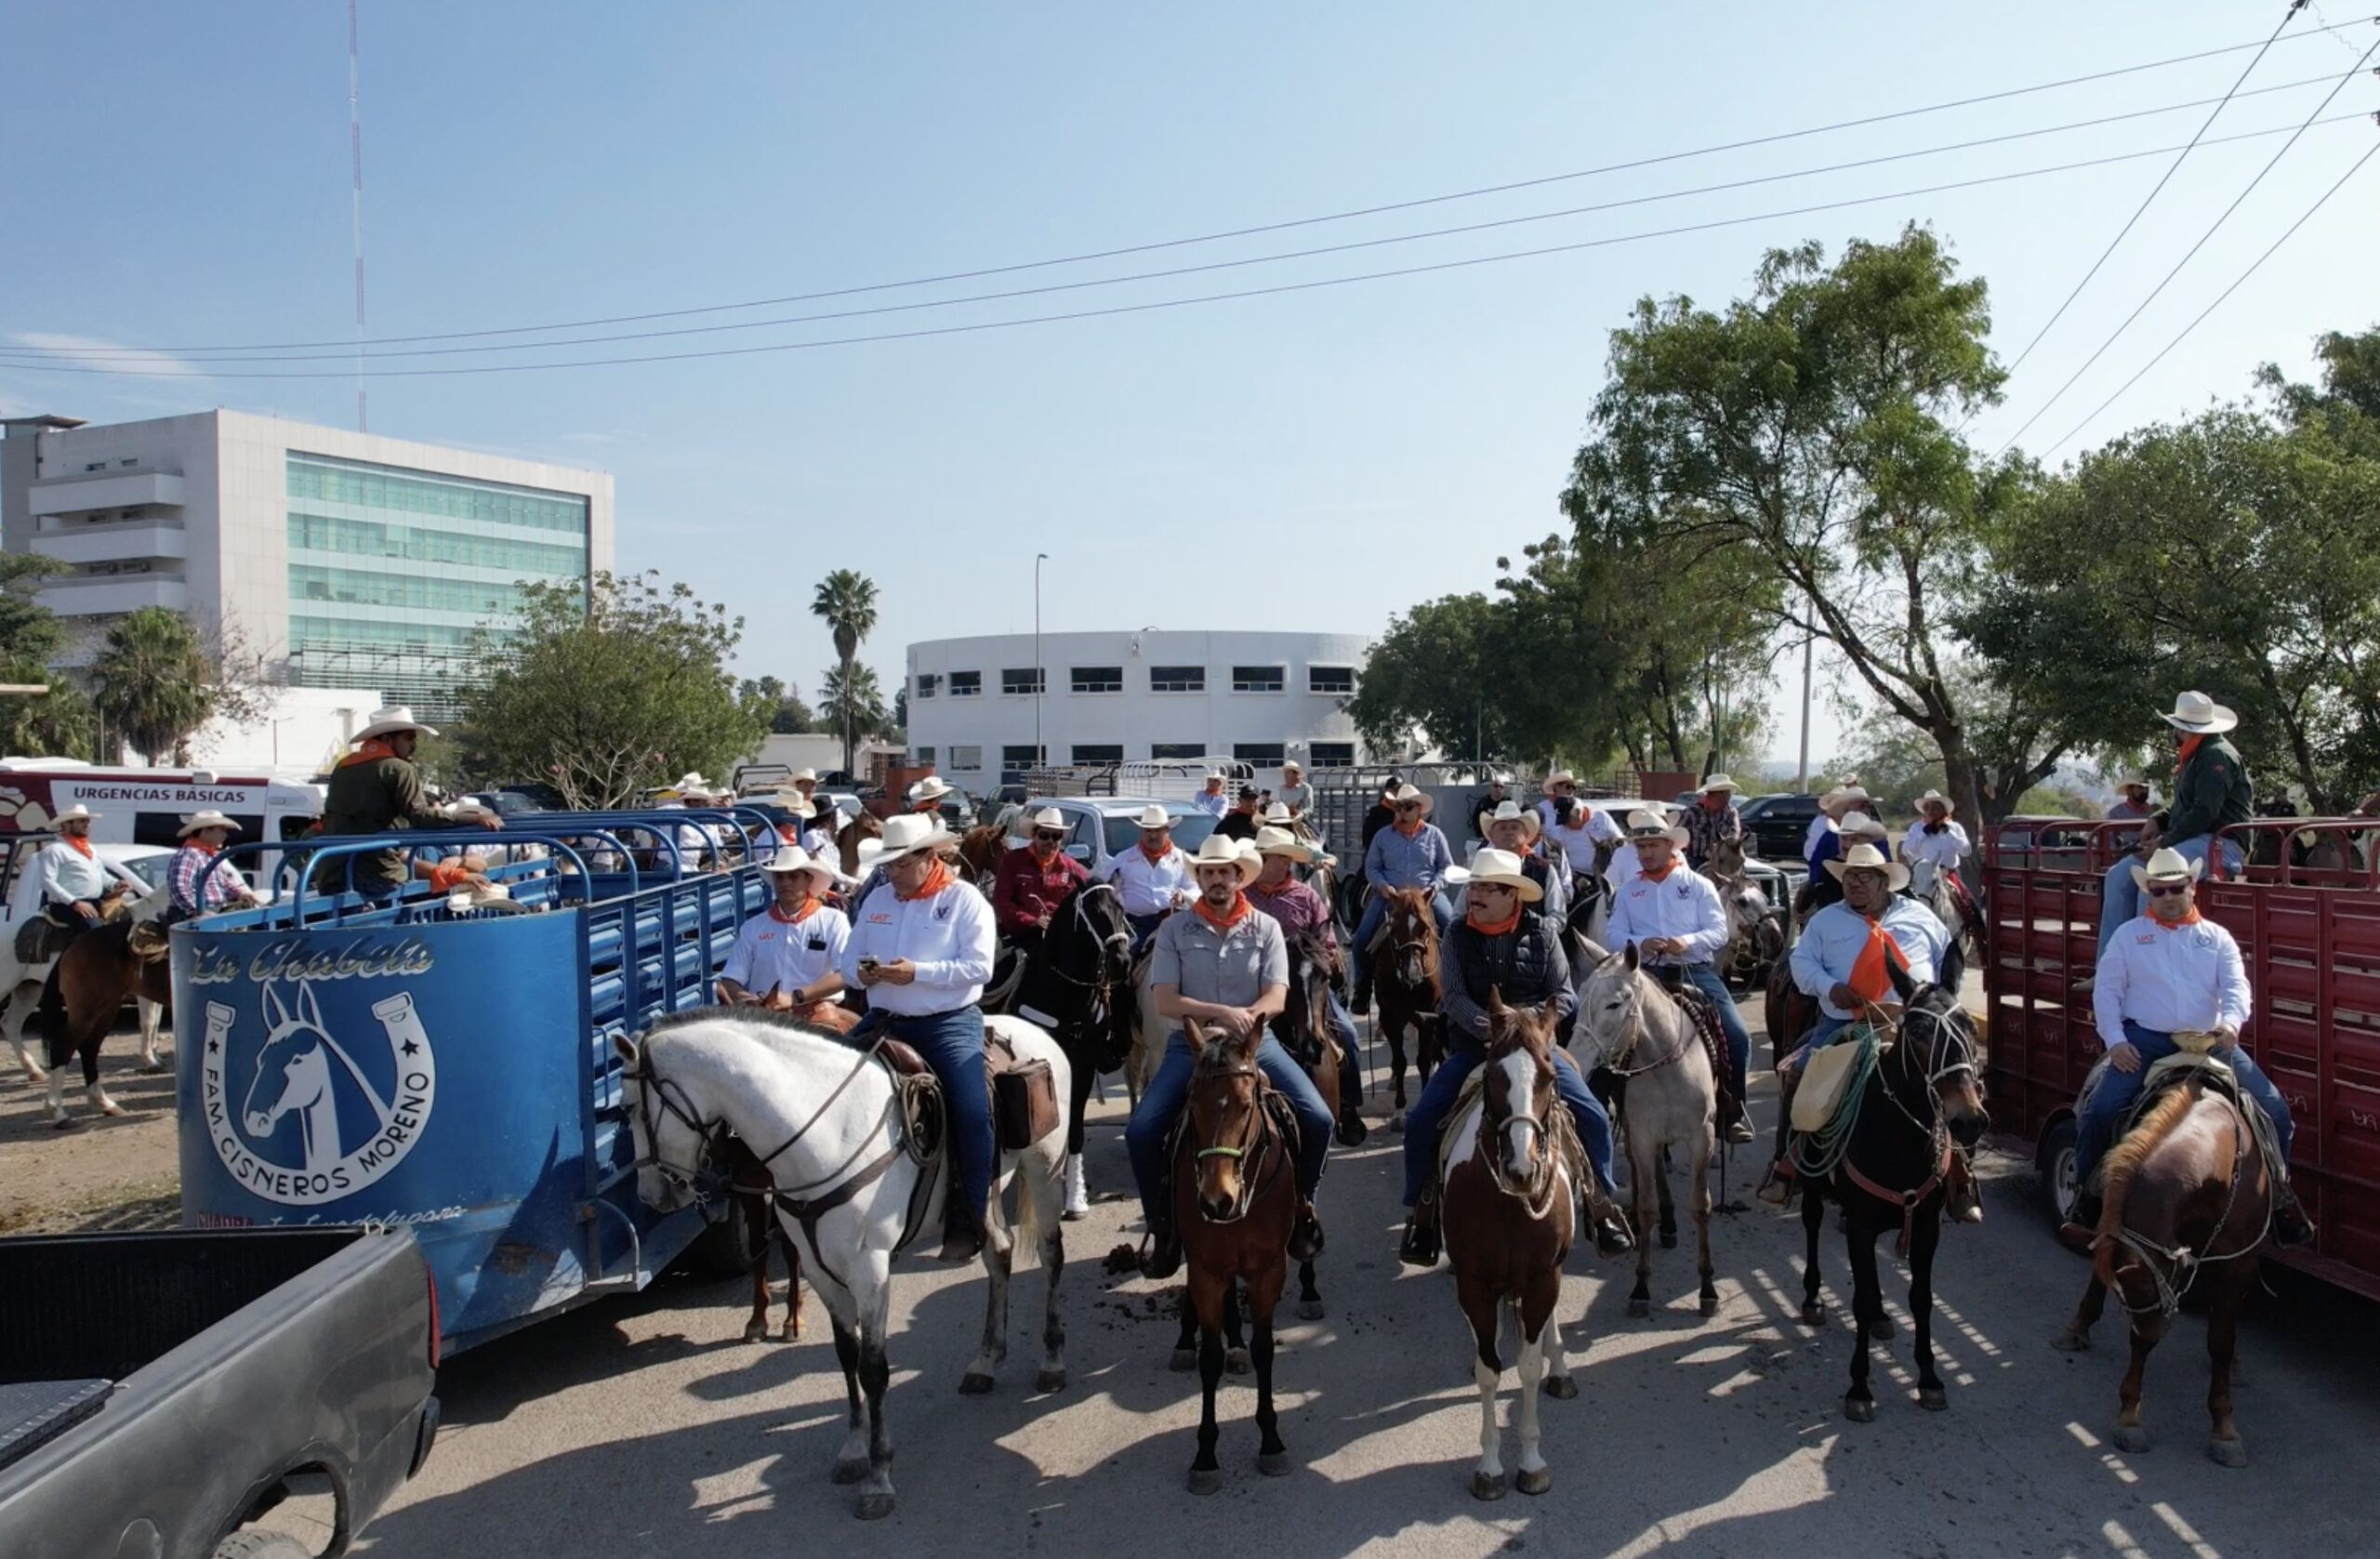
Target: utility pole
column 1809, row 651
column 1040, row 673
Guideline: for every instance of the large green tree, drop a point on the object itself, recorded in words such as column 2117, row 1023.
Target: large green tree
column 608, row 694
column 1440, row 673
column 156, row 683
column 773, row 701
column 1814, row 425
column 59, row 722
column 845, row 601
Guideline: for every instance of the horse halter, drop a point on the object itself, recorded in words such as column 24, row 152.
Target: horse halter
column 1537, row 1196
column 672, row 1099
column 1259, row 1138
column 2184, row 1262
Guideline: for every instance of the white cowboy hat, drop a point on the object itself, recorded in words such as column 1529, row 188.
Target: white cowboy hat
column 1047, row 817
column 1153, row 816
column 1933, row 796
column 1716, row 782
column 1560, row 776
column 2195, row 712
column 395, row 718
column 930, row 788
column 1860, row 826
column 1869, row 857
column 693, row 784
column 1291, row 766
column 905, row 833
column 1214, row 776
column 799, row 774
column 199, row 820
column 1277, row 813
column 78, row 813
column 1217, row 850
column 1645, row 824
column 2134, row 782
column 470, row 811
column 2167, row 864
column 793, row 858
column 1503, row 867
column 794, row 801
column 1842, row 793
column 1408, row 792
column 1280, row 841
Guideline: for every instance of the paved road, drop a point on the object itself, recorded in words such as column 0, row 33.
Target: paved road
column 647, row 1427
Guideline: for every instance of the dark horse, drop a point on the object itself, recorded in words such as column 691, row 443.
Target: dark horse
column 98, row 971
column 1924, row 1096
column 1071, row 985
column 1405, row 978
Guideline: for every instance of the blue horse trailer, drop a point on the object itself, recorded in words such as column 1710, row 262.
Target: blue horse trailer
column 416, row 1060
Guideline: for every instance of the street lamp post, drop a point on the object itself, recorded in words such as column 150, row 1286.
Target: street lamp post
column 1040, row 673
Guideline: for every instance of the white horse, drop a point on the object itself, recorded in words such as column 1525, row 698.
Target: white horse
column 827, row 1125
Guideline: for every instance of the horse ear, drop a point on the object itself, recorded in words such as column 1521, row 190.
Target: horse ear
column 1592, row 951
column 276, row 1012
column 626, row 1048
column 1903, row 987
column 1950, row 969
column 1635, row 958
column 310, row 1008
column 1496, row 999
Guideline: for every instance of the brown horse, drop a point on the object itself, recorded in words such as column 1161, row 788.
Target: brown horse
column 979, row 851
column 1510, row 1217
column 1234, row 1199
column 1406, row 979
column 755, row 1192
column 2188, row 1198
column 98, row 973
column 864, row 825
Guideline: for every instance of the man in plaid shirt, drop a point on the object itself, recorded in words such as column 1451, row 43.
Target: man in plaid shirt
column 1714, row 817
column 203, row 834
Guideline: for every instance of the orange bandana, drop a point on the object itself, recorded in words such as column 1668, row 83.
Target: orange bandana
column 1239, row 911
column 936, row 881
column 445, row 874
column 1871, row 978
column 370, row 752
column 1493, row 928
column 1662, row 875
column 1413, row 829
column 2189, row 746
column 82, row 845
column 809, row 906
column 2192, row 919
column 1157, row 855
column 200, row 845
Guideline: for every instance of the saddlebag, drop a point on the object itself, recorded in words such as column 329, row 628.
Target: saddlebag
column 1024, row 1097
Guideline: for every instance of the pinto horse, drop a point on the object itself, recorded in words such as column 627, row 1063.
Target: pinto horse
column 1405, row 980
column 2188, row 1197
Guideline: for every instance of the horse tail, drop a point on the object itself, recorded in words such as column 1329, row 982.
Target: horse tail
column 2124, row 1160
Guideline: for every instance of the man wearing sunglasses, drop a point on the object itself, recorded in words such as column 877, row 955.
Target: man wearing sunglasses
column 1034, row 880
column 2169, row 972
column 1411, row 852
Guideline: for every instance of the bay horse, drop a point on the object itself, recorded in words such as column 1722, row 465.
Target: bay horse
column 1922, row 1099
column 1304, row 1029
column 845, row 1179
column 748, row 1179
column 1404, row 980
column 979, row 851
column 1234, row 1199
column 2188, row 1197
column 1511, row 1213
column 1642, row 1035
column 98, row 973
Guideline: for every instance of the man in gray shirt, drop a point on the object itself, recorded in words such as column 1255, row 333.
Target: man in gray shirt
column 1225, row 964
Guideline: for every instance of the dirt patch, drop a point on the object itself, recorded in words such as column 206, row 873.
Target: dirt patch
column 122, row 1172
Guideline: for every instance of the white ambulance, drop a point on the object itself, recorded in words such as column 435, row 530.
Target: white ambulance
column 146, row 806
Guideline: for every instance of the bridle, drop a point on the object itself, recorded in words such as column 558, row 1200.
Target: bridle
column 1536, row 1197
column 1260, row 1139
column 1616, row 1056
column 2184, row 1262
column 658, row 1095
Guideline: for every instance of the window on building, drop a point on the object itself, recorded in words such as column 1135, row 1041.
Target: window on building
column 1099, row 752
column 966, row 685
column 923, row 756
column 1177, row 750
column 1332, row 755
column 1264, row 755
column 1020, row 757
column 1259, row 679
column 1337, row 680
column 969, row 758
column 929, row 683
column 1020, row 679
column 1097, row 679
column 95, row 465
column 1177, row 679
column 134, row 462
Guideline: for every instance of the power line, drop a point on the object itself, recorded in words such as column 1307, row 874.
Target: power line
column 2185, row 258
column 1276, row 290
column 1221, row 236
column 2369, row 154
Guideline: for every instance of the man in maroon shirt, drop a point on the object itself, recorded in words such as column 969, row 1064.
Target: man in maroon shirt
column 1032, row 882
column 1276, row 891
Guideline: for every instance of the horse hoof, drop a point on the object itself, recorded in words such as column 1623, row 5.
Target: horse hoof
column 1859, row 1409
column 1533, row 1483
column 1396, row 1121
column 1183, row 1359
column 1050, row 1380
column 1274, row 1465
column 1310, row 1309
column 1487, row 1486
column 1639, row 1308
column 851, row 1471
column 1709, row 1303
column 1561, row 1387
column 2132, row 1437
column 1237, row 1362
column 2227, row 1453
column 1669, row 1239
column 756, row 1331
column 152, row 1068
column 1813, row 1315
column 60, row 1120
column 1933, row 1399
column 2071, row 1341
column 1881, row 1329
column 1206, row 1480
column 875, row 1507
column 1351, row 1133
column 792, row 1330
column 974, row 1384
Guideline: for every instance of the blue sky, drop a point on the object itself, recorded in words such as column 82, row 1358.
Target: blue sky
column 179, row 177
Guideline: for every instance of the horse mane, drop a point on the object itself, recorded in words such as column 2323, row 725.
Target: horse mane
column 772, row 1024
column 2123, row 1160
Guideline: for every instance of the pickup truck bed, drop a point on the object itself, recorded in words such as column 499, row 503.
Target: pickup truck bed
column 174, row 1380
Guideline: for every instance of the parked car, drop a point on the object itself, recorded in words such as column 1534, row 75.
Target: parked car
column 1099, row 829
column 1778, row 824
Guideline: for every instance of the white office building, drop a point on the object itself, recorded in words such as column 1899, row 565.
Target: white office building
column 975, row 704
column 348, row 560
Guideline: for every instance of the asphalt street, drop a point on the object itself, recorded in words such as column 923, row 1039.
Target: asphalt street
column 647, row 1426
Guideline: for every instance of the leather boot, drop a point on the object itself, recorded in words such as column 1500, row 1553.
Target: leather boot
column 1305, row 1234
column 1738, row 1127
column 2082, row 1231
column 1420, row 1245
column 1960, row 1200
column 2290, row 1225
column 962, row 1238
column 1610, row 1226
column 1362, row 1001
column 1351, row 1130
column 1778, row 1189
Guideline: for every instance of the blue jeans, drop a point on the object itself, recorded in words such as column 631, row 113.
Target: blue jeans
column 2120, row 898
column 1822, row 1034
column 1153, row 1118
column 2103, row 1111
column 1428, row 1116
column 1343, row 1026
column 952, row 1044
column 1143, row 927
column 1705, row 978
column 1375, row 911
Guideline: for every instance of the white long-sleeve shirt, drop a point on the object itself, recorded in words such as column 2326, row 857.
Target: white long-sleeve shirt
column 1594, row 828
column 949, row 935
column 1832, row 942
column 1683, row 904
column 1144, row 887
column 70, row 877
column 2168, row 979
column 1945, row 850
column 786, row 956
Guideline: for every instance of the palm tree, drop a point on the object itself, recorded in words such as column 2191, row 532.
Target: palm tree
column 155, row 682
column 846, row 600
column 856, row 704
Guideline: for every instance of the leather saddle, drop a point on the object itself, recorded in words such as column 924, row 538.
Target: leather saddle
column 1705, row 1014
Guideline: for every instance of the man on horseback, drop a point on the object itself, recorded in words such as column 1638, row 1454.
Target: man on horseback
column 1294, row 794
column 1298, row 908
column 922, row 947
column 1713, row 818
column 2132, row 800
column 1676, row 919
column 1938, row 843
column 1411, row 852
column 1240, row 823
column 74, row 890
column 2162, row 976
column 1153, row 878
column 786, row 957
column 1514, row 830
column 1033, row 880
column 373, row 790
column 203, row 834
column 1502, row 946
column 926, row 795
column 1842, row 960
column 1481, row 806
column 2211, row 792
column 1210, row 798
column 1228, row 967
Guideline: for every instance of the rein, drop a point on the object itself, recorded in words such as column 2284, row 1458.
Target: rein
column 1614, row 1060
column 1262, row 1142
column 2185, row 1262
column 1934, row 1129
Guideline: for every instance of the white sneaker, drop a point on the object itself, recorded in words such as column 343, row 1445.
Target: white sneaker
column 1078, row 1198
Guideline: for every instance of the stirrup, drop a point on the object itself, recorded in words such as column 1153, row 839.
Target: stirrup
column 1783, row 1181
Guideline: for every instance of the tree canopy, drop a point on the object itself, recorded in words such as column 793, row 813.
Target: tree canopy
column 59, row 722
column 158, row 680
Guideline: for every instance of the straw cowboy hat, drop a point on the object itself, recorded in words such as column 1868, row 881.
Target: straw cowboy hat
column 389, row 721
column 794, row 802
column 1503, row 868
column 1842, row 793
column 1272, row 840
column 793, row 858
column 1217, row 850
column 78, row 813
column 930, row 788
column 1716, row 782
column 1860, row 826
column 1291, row 766
column 1870, row 858
column 1649, row 824
column 1404, row 793
column 1560, row 776
column 1512, row 812
column 799, row 774
column 2196, row 713
column 2167, row 865
column 1047, row 817
column 1933, row 797
column 1278, row 815
column 1153, row 817
column 907, row 833
column 2134, row 782
column 201, row 820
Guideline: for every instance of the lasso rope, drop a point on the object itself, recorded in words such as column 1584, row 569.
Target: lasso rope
column 1815, row 1153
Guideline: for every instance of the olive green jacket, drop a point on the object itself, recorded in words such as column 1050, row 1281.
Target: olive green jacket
column 2211, row 792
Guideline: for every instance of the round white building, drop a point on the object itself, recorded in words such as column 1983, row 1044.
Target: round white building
column 975, row 705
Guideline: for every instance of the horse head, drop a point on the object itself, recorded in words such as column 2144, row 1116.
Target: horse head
column 1612, row 1002
column 1098, row 916
column 1517, row 1097
column 1726, row 859
column 1935, row 1051
column 1226, row 1120
column 1413, row 936
column 1305, row 1021
column 293, row 1069
column 670, row 1142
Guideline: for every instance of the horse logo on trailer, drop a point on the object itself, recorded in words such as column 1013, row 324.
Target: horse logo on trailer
column 302, row 1118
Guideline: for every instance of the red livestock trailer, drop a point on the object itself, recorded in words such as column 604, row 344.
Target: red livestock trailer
column 2306, row 914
